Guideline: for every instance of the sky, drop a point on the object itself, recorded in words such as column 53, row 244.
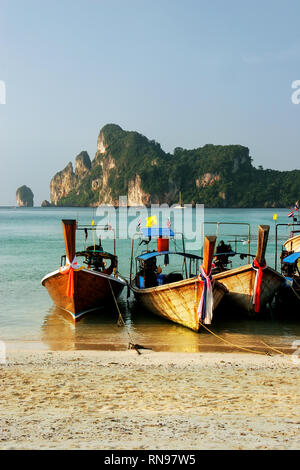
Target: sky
column 183, row 72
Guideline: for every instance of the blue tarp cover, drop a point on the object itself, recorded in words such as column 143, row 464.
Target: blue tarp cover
column 157, row 232
column 291, row 259
column 152, row 254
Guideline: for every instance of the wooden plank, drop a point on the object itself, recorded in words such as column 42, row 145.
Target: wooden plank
column 263, row 234
column 293, row 244
column 176, row 301
column 209, row 249
column 69, row 228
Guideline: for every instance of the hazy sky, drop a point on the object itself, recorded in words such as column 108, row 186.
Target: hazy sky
column 184, row 73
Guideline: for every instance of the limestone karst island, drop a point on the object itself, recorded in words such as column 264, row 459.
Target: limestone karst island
column 127, row 163
column 24, row 196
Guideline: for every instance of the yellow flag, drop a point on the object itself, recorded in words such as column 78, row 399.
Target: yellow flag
column 275, row 217
column 93, row 222
column 151, row 221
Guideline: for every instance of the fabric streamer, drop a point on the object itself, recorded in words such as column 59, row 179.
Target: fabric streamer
column 257, row 285
column 205, row 308
column 69, row 268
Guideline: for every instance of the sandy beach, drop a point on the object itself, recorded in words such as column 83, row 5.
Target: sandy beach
column 120, row 400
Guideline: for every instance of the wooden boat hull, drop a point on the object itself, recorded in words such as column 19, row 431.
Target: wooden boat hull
column 177, row 301
column 288, row 302
column 91, row 291
column 292, row 244
column 240, row 284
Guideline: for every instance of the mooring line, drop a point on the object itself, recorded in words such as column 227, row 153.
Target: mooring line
column 121, row 322
column 232, row 344
column 274, row 349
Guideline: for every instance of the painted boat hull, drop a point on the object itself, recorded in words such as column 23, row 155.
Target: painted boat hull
column 91, row 291
column 240, row 284
column 178, row 301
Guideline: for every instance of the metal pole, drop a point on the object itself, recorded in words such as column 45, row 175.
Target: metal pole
column 276, row 241
column 183, row 247
column 132, row 240
column 114, row 243
column 249, row 242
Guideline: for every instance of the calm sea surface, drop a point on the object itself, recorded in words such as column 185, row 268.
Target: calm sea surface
column 31, row 244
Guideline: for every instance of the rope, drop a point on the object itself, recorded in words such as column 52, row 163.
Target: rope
column 257, row 285
column 205, row 308
column 246, row 349
column 274, row 349
column 121, row 322
column 232, row 344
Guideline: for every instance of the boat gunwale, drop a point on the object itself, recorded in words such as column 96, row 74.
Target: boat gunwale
column 241, row 269
column 90, row 271
column 171, row 285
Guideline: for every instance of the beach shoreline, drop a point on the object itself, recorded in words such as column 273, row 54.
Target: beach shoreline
column 155, row 400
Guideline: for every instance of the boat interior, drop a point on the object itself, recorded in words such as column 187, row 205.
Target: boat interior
column 94, row 256
column 161, row 266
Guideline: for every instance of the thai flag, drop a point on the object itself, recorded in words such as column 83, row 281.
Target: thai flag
column 296, row 208
column 169, row 222
column 290, row 214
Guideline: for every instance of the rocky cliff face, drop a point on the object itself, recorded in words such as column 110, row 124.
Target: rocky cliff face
column 24, row 196
column 96, row 182
column 45, row 203
column 68, row 181
column 128, row 164
column 62, row 184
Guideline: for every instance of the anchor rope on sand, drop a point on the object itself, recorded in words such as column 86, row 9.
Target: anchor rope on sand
column 241, row 347
column 121, row 322
column 274, row 349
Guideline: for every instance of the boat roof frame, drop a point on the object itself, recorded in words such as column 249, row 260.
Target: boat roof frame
column 104, row 228
column 153, row 254
column 291, row 224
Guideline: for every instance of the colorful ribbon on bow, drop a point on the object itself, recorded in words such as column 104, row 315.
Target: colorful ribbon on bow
column 205, row 307
column 69, row 268
column 257, row 285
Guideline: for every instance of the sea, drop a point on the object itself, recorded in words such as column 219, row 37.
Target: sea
column 31, row 245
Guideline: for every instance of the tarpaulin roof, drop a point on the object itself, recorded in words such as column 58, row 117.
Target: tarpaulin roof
column 152, row 254
column 157, row 232
column 291, row 259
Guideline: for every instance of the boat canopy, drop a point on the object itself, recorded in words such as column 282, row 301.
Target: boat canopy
column 291, row 259
column 157, row 232
column 152, row 254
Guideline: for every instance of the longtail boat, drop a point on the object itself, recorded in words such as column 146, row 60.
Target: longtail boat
column 292, row 244
column 288, row 300
column 183, row 297
column 80, row 288
column 253, row 286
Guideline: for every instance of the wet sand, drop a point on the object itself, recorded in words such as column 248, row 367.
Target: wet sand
column 158, row 400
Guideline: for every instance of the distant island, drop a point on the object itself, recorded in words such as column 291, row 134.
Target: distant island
column 45, row 203
column 127, row 163
column 24, row 196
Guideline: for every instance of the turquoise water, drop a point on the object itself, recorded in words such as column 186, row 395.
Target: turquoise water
column 31, row 244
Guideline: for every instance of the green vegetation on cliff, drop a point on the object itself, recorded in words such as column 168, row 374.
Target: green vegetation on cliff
column 127, row 163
